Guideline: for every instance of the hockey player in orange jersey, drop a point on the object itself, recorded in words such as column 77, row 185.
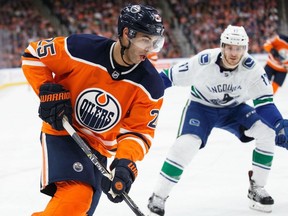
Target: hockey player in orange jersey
column 277, row 62
column 111, row 94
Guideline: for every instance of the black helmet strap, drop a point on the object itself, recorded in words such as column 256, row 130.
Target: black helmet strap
column 123, row 48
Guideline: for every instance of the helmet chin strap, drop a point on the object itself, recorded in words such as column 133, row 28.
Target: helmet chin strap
column 123, row 48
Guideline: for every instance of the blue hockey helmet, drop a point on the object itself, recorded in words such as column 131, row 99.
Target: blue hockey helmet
column 140, row 18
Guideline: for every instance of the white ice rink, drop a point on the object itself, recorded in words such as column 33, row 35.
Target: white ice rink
column 215, row 183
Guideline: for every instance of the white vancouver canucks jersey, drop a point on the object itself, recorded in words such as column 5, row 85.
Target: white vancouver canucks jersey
column 215, row 88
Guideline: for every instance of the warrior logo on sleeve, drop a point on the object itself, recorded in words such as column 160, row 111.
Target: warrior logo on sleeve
column 97, row 110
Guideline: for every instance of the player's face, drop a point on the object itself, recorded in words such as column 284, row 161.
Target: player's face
column 143, row 44
column 233, row 53
column 135, row 54
column 150, row 43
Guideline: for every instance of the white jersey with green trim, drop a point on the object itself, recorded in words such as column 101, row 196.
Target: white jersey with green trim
column 215, row 88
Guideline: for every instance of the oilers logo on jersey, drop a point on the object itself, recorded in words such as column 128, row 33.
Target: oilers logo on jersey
column 97, row 110
column 98, row 105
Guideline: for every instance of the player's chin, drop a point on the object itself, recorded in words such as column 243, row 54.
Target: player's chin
column 139, row 59
column 234, row 62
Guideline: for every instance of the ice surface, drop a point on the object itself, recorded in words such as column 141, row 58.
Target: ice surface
column 214, row 184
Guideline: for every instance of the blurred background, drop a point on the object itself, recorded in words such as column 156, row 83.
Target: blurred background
column 190, row 25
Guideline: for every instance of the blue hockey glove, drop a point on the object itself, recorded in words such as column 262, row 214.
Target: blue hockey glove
column 125, row 172
column 54, row 104
column 281, row 129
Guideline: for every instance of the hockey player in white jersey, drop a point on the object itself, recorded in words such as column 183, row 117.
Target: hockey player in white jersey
column 222, row 80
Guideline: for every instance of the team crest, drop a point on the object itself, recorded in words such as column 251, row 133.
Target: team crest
column 115, row 75
column 157, row 18
column 78, row 167
column 248, row 63
column 204, row 59
column 194, row 122
column 97, row 110
column 135, row 9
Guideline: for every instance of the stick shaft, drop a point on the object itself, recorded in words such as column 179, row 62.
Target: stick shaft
column 87, row 150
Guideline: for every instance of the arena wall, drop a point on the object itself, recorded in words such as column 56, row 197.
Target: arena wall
column 15, row 76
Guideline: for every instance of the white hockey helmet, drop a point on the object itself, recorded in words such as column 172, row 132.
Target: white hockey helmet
column 234, row 35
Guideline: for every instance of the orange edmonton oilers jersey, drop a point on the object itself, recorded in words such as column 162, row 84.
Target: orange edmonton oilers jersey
column 115, row 109
column 280, row 43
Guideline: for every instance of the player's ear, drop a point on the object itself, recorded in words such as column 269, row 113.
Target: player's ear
column 126, row 32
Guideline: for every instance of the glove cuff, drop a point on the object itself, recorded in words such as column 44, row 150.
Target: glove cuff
column 54, row 104
column 281, row 124
column 128, row 164
column 50, row 92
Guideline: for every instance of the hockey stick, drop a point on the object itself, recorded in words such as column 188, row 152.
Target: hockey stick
column 97, row 163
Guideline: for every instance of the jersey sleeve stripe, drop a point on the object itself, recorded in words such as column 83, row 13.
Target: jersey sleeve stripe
column 139, row 141
column 32, row 51
column 33, row 63
column 145, row 137
column 28, row 55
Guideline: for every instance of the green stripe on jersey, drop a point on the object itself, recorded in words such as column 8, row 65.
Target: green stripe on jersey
column 262, row 101
column 262, row 159
column 194, row 92
column 180, row 128
column 166, row 71
column 171, row 170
